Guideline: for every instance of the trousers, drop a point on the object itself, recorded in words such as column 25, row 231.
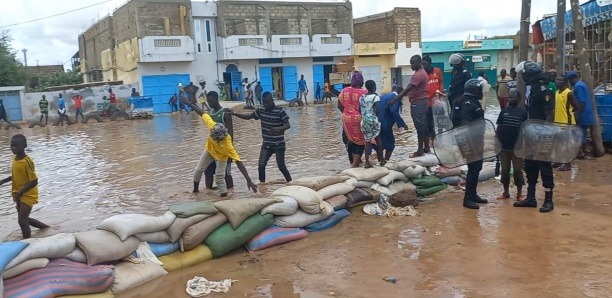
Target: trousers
column 535, row 168
column 205, row 160
column 264, row 156
column 471, row 180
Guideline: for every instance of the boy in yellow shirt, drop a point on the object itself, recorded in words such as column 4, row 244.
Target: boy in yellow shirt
column 24, row 186
column 219, row 149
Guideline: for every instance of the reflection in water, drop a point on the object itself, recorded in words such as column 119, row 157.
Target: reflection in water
column 411, row 239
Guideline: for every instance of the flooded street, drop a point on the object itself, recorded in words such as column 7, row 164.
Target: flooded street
column 90, row 172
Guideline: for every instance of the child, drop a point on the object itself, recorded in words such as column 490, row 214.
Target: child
column 237, row 94
column 565, row 105
column 62, row 111
column 24, row 186
column 106, row 106
column 173, row 103
column 318, row 92
column 327, row 91
column 369, row 122
column 219, row 149
column 508, row 126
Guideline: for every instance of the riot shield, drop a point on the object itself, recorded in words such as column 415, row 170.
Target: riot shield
column 441, row 114
column 548, row 141
column 465, row 144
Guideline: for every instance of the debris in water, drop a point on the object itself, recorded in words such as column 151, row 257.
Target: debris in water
column 391, row 279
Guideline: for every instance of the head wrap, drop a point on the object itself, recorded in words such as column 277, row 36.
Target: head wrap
column 218, row 132
column 357, row 80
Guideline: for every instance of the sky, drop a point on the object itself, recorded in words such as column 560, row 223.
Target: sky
column 55, row 40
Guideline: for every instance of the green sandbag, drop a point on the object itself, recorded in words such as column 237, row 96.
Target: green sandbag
column 225, row 239
column 426, row 182
column 188, row 209
column 423, row 192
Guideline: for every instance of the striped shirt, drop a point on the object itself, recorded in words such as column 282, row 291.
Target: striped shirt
column 270, row 119
column 509, row 123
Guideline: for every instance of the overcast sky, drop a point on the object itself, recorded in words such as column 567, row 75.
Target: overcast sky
column 54, row 40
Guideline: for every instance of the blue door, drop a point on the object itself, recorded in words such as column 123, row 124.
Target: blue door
column 318, row 75
column 161, row 88
column 290, row 82
column 12, row 105
column 265, row 77
column 237, row 83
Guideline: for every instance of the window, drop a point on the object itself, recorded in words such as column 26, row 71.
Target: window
column 331, row 40
column 271, row 61
column 167, row 43
column 250, row 41
column 208, row 36
column 291, row 41
column 198, row 35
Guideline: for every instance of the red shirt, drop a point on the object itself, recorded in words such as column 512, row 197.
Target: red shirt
column 419, row 89
column 112, row 98
column 434, row 84
column 78, row 101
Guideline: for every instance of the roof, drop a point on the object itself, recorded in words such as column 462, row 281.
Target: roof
column 461, row 46
column 12, row 88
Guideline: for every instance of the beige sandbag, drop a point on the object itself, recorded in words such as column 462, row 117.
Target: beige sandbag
column 318, row 182
column 396, row 165
column 77, row 255
column 195, row 234
column 51, row 247
column 363, row 174
column 101, row 246
column 287, row 207
column 394, row 188
column 154, row 237
column 25, row 266
column 392, row 176
column 427, row 160
column 176, row 229
column 415, row 171
column 126, row 225
column 301, row 219
column 129, row 275
column 335, row 190
column 308, row 199
column 360, row 184
column 239, row 210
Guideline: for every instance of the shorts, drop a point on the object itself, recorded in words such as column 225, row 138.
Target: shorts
column 213, row 167
column 418, row 111
column 355, row 149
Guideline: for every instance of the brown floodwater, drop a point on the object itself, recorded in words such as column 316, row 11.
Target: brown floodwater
column 90, row 172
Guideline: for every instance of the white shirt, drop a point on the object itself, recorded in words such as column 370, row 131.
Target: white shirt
column 485, row 85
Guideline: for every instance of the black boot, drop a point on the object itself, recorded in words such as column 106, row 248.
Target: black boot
column 479, row 200
column 469, row 203
column 196, row 186
column 548, row 202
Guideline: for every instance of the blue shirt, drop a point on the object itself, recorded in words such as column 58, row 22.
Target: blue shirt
column 387, row 116
column 61, row 102
column 302, row 85
column 582, row 96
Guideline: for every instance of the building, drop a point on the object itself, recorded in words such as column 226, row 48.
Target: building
column 35, row 72
column 384, row 43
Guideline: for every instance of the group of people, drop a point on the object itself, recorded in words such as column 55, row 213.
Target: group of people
column 62, row 108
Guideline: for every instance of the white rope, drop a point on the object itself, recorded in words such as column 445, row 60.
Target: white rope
column 200, row 286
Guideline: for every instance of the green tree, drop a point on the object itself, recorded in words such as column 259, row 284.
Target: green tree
column 11, row 70
column 70, row 77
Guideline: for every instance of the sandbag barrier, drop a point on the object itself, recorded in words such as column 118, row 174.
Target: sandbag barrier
column 96, row 117
column 127, row 250
column 12, row 125
column 37, row 123
column 119, row 114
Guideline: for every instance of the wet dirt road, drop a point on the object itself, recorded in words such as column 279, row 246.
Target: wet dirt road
column 90, row 172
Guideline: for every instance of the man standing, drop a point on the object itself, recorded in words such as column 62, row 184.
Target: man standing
column 43, row 104
column 387, row 118
column 434, row 87
column 219, row 115
column 274, row 123
column 112, row 98
column 78, row 106
column 584, row 115
column 512, row 82
column 303, row 89
column 258, row 91
column 502, row 89
column 485, row 83
column 417, row 95
column 459, row 76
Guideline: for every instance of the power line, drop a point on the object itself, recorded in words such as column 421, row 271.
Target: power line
column 55, row 15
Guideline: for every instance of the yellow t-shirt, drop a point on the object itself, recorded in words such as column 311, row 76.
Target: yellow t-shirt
column 23, row 171
column 219, row 150
column 562, row 115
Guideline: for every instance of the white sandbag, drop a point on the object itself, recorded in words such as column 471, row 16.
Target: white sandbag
column 464, row 168
column 371, row 174
column 393, row 188
column 154, row 237
column 318, row 182
column 360, row 184
column 392, row 176
column 287, row 207
column 394, row 165
column 301, row 219
column 176, row 229
column 101, row 246
column 415, row 171
column 77, row 255
column 427, row 160
column 308, row 199
column 52, row 247
column 485, row 174
column 126, row 225
column 25, row 266
column 129, row 275
column 337, row 189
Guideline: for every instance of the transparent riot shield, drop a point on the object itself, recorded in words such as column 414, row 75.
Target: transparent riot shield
column 441, row 114
column 548, row 141
column 465, row 144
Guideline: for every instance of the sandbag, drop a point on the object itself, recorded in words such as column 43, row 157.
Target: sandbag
column 393, row 188
column 239, row 210
column 337, row 202
column 287, row 207
column 423, row 192
column 392, row 176
column 60, row 277
column 77, row 255
column 25, row 266
column 52, row 247
column 452, row 180
column 399, row 166
column 361, row 196
column 486, row 173
column 443, row 172
column 106, row 294
column 225, row 238
column 154, row 237
column 101, row 246
column 335, row 190
column 427, row 160
column 9, row 250
column 363, row 174
column 195, row 234
column 415, row 171
column 404, row 198
column 318, row 182
column 189, row 209
column 180, row 260
column 273, row 236
column 360, row 184
column 309, row 200
column 126, row 225
column 162, row 249
column 129, row 275
column 328, row 222
column 426, row 181
column 180, row 224
column 301, row 219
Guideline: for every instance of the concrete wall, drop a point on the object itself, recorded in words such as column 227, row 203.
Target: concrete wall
column 386, row 62
column 507, row 59
column 92, row 42
column 401, row 25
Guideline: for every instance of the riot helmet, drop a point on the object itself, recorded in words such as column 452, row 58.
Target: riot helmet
column 529, row 70
column 456, row 59
column 473, row 88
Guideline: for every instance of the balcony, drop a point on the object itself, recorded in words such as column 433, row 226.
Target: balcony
column 166, row 49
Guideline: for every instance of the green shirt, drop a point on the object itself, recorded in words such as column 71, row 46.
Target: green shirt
column 553, row 87
column 44, row 106
column 218, row 116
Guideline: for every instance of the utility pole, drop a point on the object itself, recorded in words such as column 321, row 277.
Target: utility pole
column 523, row 45
column 587, row 76
column 25, row 57
column 560, row 63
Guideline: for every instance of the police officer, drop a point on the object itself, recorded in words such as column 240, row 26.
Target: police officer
column 540, row 105
column 459, row 76
column 467, row 108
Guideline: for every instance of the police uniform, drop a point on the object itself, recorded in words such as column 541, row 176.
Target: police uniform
column 458, row 79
